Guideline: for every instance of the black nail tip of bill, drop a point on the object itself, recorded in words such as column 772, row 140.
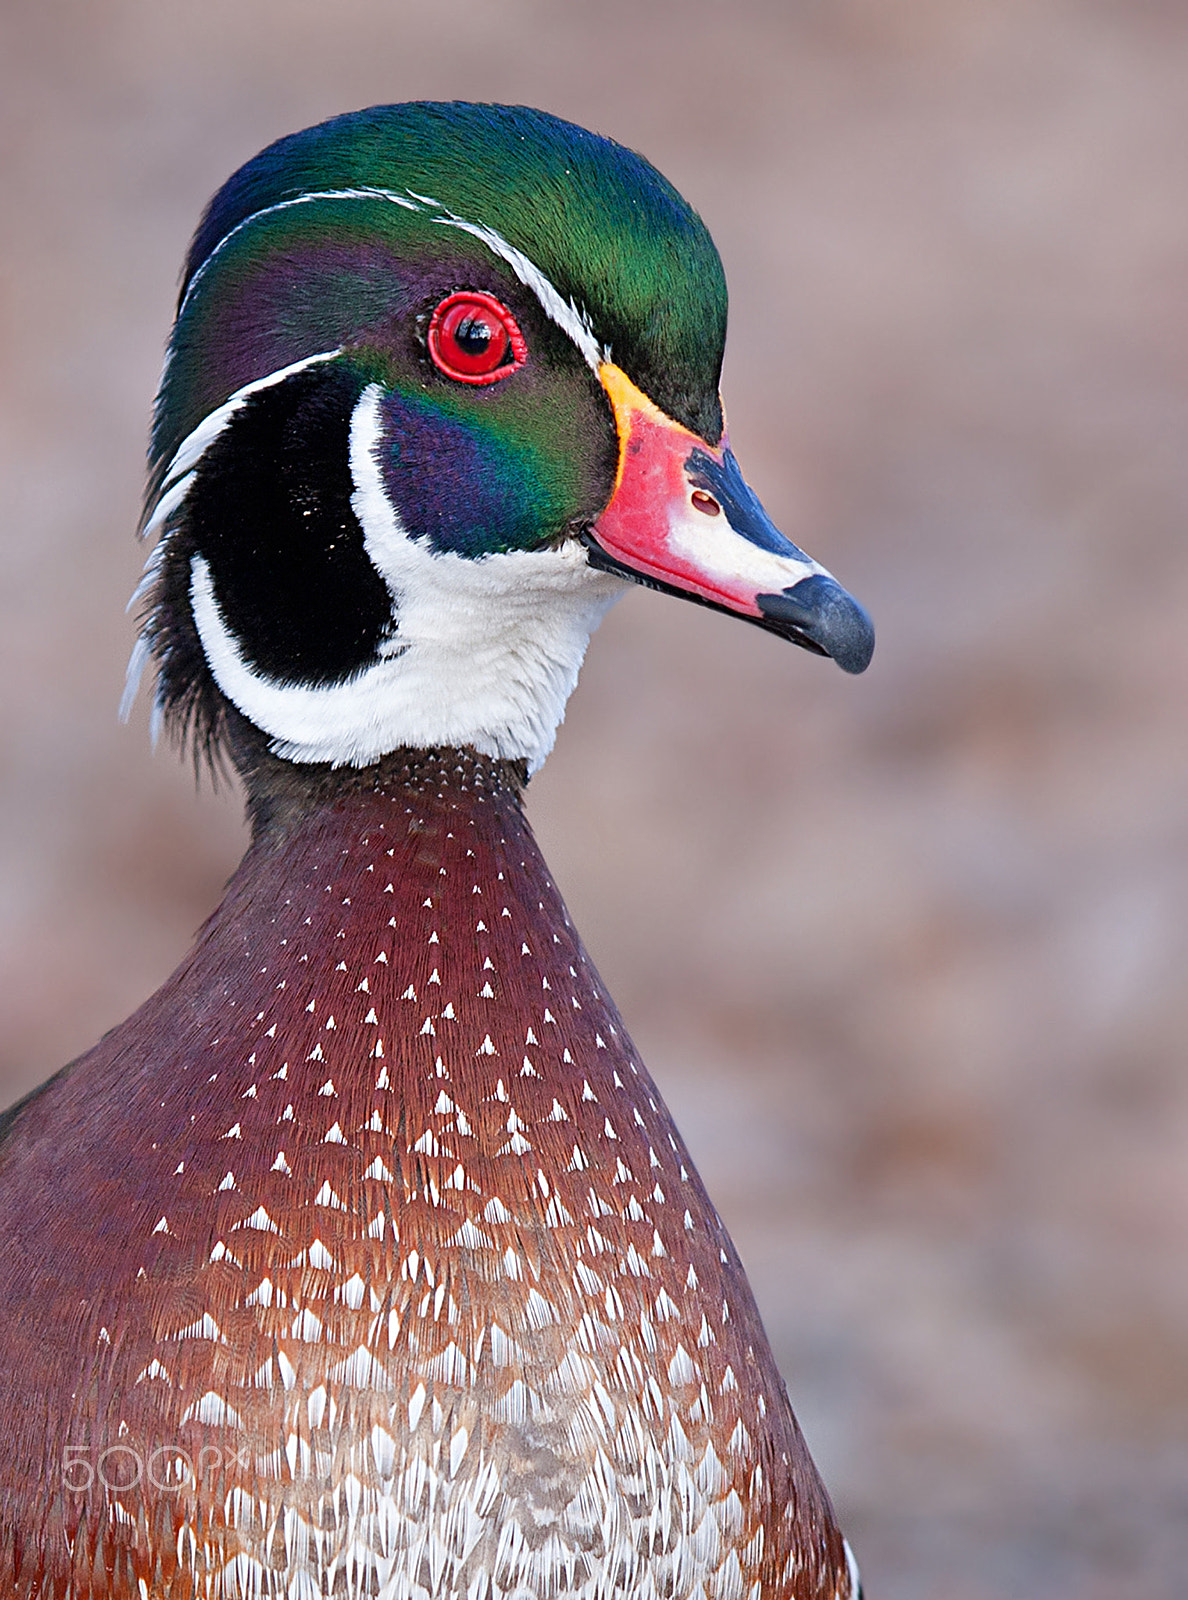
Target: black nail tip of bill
column 818, row 613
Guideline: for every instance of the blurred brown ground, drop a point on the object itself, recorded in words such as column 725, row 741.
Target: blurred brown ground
column 906, row 953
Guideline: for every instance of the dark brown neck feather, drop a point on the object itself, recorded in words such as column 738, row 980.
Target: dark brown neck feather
column 282, row 795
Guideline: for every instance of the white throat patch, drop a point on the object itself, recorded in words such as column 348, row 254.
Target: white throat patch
column 484, row 651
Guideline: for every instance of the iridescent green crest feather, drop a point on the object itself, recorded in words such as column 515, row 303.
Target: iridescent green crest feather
column 610, row 234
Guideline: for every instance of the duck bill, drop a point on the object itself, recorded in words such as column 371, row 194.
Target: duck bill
column 683, row 519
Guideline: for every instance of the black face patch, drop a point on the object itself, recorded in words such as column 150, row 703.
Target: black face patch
column 270, row 511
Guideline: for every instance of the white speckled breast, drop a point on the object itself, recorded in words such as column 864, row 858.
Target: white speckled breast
column 393, row 1275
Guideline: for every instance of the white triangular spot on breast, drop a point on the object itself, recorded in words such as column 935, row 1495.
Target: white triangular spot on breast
column 306, row 1327
column 205, row 1328
column 212, row 1409
column 259, row 1219
column 154, row 1370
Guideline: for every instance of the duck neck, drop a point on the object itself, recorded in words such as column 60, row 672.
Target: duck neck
column 284, row 797
column 406, row 937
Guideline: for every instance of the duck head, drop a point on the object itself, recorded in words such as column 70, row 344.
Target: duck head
column 443, row 380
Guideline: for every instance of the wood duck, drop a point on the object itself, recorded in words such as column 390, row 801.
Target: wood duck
column 365, row 1259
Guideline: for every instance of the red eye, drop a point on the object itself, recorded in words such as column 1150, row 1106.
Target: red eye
column 474, row 339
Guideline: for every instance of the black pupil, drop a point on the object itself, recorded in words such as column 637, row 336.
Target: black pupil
column 474, row 336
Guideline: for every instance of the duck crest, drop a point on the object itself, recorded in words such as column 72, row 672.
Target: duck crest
column 439, row 1241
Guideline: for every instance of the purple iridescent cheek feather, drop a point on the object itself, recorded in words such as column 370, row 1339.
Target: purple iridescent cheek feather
column 462, row 484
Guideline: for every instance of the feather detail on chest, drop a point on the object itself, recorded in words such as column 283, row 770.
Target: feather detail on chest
column 413, row 1238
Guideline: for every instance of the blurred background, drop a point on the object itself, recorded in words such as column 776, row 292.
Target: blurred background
column 906, row 953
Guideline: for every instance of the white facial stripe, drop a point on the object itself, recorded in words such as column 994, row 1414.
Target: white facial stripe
column 485, row 652
column 166, row 505
column 563, row 312
column 365, row 193
column 384, row 538
column 576, row 323
column 196, row 443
